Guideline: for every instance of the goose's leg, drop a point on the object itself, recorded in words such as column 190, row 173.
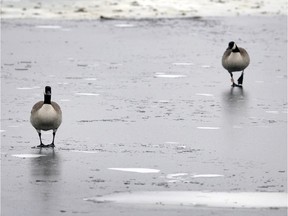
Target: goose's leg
column 240, row 79
column 52, row 144
column 41, row 143
column 232, row 79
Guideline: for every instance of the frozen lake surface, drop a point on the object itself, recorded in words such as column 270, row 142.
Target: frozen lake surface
column 148, row 112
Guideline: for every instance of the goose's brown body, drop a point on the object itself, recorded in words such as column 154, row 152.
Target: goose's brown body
column 46, row 116
column 235, row 61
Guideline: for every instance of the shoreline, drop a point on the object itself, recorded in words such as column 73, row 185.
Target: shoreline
column 106, row 18
column 149, row 19
column 137, row 9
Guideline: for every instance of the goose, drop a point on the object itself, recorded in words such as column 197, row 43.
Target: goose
column 46, row 115
column 235, row 59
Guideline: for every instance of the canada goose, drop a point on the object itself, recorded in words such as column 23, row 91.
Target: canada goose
column 235, row 59
column 46, row 115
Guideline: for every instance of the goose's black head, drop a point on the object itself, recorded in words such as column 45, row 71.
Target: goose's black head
column 232, row 46
column 48, row 90
column 47, row 95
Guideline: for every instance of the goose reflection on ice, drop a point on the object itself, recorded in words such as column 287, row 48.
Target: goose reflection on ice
column 45, row 181
column 235, row 101
column 235, row 112
column 47, row 167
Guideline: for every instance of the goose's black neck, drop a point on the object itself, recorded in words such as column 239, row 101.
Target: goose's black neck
column 47, row 95
column 47, row 99
column 236, row 49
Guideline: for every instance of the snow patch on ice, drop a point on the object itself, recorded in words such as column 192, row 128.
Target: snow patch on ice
column 198, row 199
column 87, row 152
column 48, row 26
column 137, row 170
column 124, row 25
column 28, row 155
column 86, row 94
column 272, row 112
column 28, row 88
column 90, row 79
column 208, row 128
column 162, row 75
column 206, row 176
column 183, row 63
column 205, row 94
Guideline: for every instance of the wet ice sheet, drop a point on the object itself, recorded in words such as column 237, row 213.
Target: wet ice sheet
column 137, row 170
column 200, row 199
